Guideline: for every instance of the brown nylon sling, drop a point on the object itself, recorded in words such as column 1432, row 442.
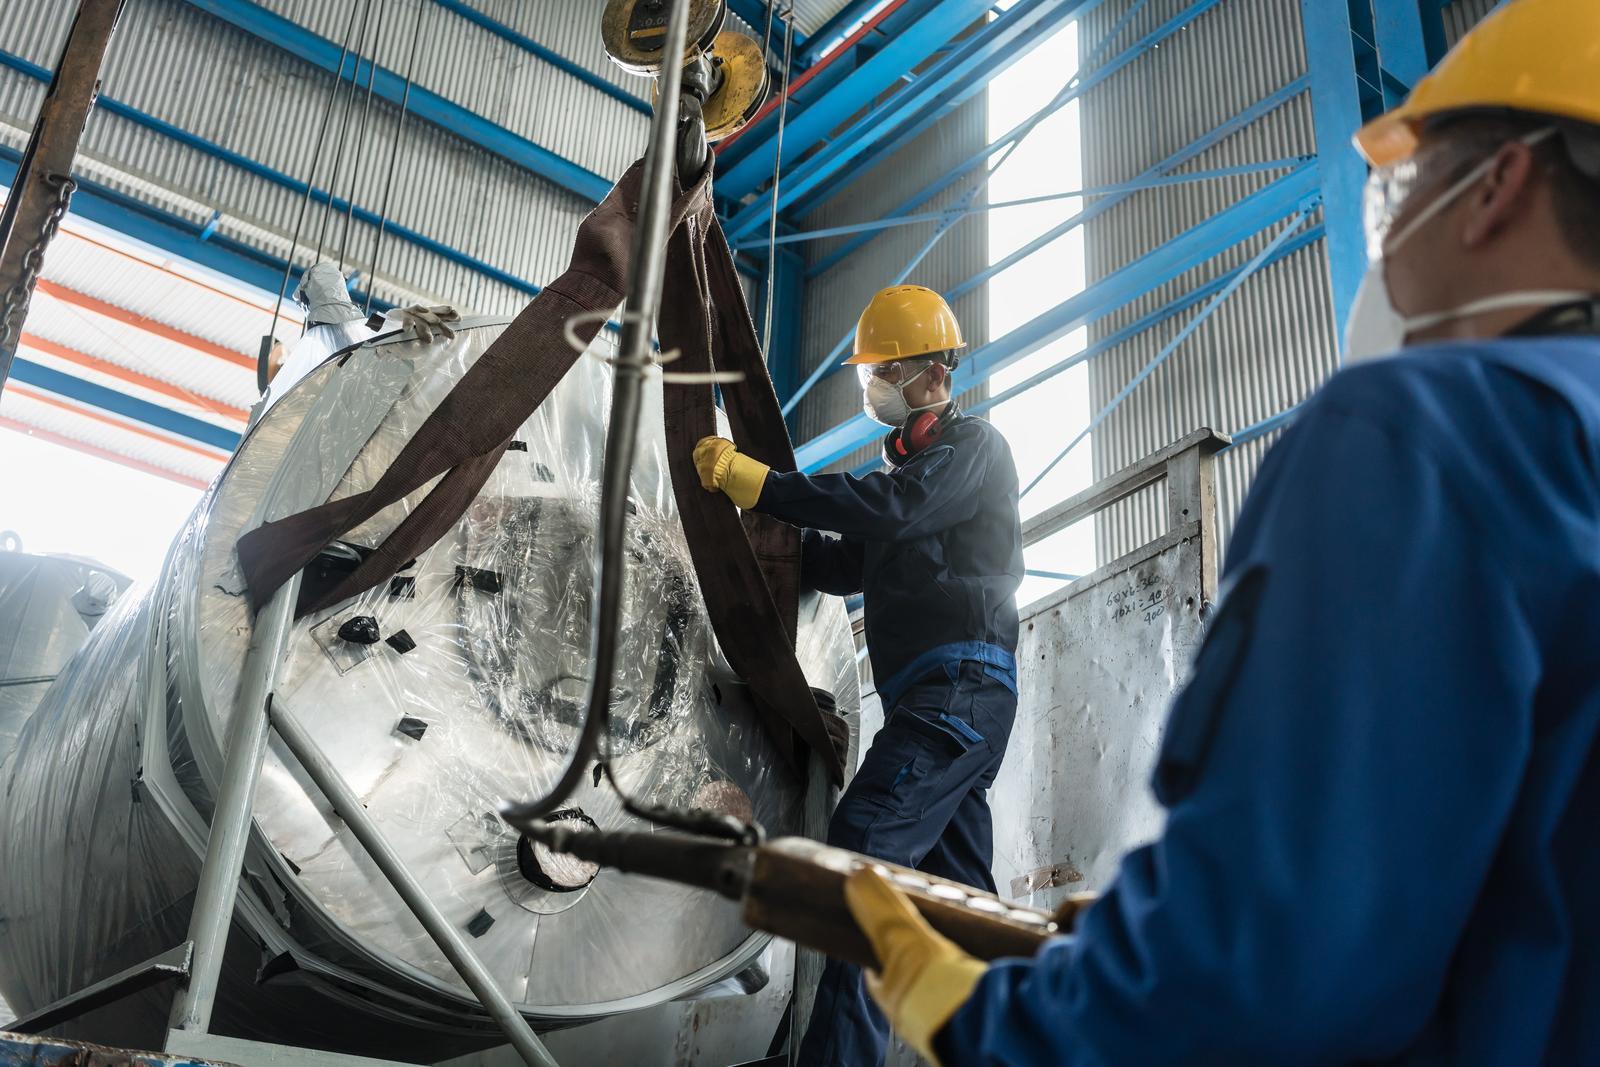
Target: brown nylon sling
column 750, row 582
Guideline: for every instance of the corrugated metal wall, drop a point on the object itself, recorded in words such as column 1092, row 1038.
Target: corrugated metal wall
column 1274, row 340
column 1462, row 15
column 210, row 79
column 834, row 299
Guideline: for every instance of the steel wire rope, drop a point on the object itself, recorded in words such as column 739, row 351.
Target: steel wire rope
column 777, row 168
column 361, row 141
column 394, row 154
column 305, row 203
column 643, row 299
column 344, row 130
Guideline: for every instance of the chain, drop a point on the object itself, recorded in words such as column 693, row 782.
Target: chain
column 16, row 302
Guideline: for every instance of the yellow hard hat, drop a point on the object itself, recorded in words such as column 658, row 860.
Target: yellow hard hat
column 1539, row 56
column 904, row 321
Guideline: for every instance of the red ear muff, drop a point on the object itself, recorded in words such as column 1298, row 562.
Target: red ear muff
column 922, row 431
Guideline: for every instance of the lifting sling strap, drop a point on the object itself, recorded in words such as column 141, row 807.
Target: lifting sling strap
column 748, row 568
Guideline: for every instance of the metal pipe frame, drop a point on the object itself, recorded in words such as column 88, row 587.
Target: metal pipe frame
column 881, row 148
column 229, row 836
column 955, row 214
column 349, row 808
column 1240, row 277
column 300, row 42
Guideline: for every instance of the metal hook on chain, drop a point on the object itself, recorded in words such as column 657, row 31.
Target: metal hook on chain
column 17, row 299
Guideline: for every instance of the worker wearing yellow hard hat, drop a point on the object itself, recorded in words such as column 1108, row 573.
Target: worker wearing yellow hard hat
column 933, row 543
column 1382, row 779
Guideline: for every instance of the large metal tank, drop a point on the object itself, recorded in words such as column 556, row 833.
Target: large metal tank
column 470, row 695
column 48, row 605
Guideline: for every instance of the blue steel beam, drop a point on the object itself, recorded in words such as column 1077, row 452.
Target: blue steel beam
column 805, row 129
column 834, row 30
column 881, row 148
column 964, row 71
column 555, row 59
column 755, row 13
column 117, row 403
column 277, row 177
column 1155, row 318
column 173, row 234
column 1269, row 103
column 1287, row 196
column 470, row 126
column 1259, row 260
column 1337, row 113
column 1138, row 185
column 1022, row 129
column 1402, row 45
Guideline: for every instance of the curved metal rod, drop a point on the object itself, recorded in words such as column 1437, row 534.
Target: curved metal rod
column 643, row 300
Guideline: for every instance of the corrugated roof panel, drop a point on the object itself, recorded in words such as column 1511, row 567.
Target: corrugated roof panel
column 102, row 337
column 25, row 408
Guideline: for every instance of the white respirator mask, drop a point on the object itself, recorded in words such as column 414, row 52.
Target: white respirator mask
column 1376, row 327
column 885, row 401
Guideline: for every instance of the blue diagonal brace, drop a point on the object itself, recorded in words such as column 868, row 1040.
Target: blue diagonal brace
column 906, row 51
column 1286, row 196
column 1255, row 264
column 430, row 106
column 829, row 363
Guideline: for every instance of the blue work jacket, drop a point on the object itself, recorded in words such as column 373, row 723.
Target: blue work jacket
column 1382, row 779
column 934, row 545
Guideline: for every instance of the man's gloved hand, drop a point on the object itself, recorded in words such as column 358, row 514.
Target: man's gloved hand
column 924, row 977
column 426, row 323
column 722, row 466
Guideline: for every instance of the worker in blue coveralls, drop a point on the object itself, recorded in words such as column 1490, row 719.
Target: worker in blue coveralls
column 1383, row 778
column 934, row 544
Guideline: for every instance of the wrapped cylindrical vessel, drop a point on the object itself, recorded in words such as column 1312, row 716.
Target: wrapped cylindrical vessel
column 458, row 684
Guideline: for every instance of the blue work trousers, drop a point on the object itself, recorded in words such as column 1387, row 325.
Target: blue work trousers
column 918, row 800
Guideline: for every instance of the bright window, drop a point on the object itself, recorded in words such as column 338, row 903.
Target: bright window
column 1040, row 421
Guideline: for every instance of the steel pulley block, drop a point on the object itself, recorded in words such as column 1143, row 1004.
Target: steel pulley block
column 740, row 83
column 635, row 31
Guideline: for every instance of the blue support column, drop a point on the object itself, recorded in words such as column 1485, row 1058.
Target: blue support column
column 1402, row 45
column 783, row 353
column 468, row 125
column 1337, row 112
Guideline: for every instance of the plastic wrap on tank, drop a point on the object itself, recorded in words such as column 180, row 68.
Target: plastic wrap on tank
column 456, row 685
column 48, row 605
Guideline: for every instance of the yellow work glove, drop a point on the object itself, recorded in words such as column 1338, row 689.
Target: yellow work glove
column 924, row 976
column 722, row 466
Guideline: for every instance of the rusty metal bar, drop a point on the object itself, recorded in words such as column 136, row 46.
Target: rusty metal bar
column 44, row 182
